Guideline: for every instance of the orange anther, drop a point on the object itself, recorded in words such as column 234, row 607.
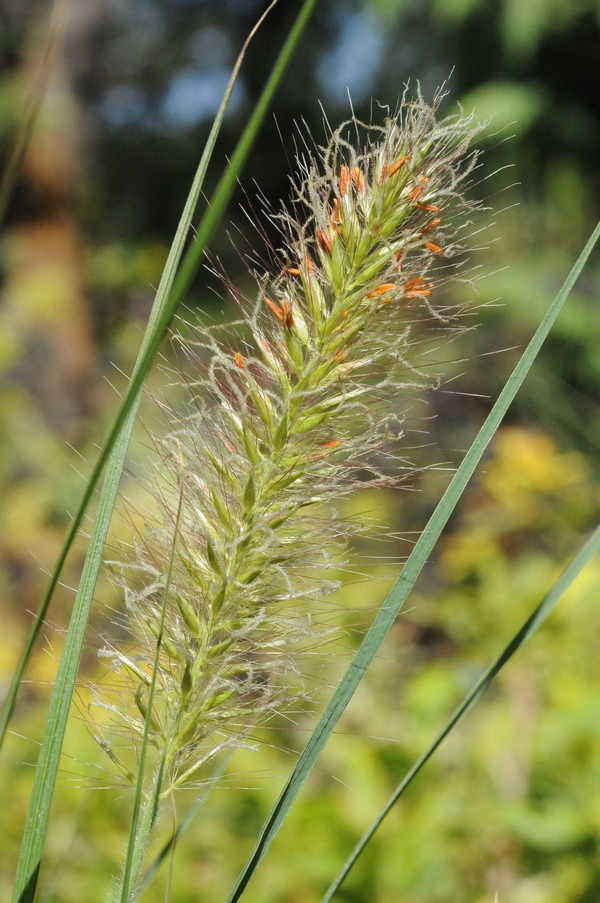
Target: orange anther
column 415, row 194
column 293, row 271
column 333, row 443
column 417, row 282
column 309, row 264
column 286, row 310
column 418, row 293
column 431, row 226
column 283, row 312
column 239, row 360
column 382, row 290
column 358, row 178
column 431, row 247
column 344, row 179
column 344, row 314
column 336, row 212
column 325, row 239
column 398, row 256
column 276, row 310
column 431, row 207
column 418, row 288
column 393, row 169
column 424, row 179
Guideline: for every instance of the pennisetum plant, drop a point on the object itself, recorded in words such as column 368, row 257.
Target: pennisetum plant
column 287, row 419
column 290, row 408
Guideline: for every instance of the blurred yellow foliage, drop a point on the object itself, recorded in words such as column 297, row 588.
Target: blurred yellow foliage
column 527, row 464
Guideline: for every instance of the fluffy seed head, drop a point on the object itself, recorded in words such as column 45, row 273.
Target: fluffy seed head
column 296, row 418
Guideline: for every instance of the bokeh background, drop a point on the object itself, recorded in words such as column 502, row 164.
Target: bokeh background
column 511, row 805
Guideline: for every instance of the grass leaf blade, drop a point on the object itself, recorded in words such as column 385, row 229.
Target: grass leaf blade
column 405, row 582
column 535, row 620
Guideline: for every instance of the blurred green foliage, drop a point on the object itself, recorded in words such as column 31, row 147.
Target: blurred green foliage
column 510, row 804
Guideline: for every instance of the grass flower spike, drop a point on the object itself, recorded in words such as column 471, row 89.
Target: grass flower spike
column 287, row 417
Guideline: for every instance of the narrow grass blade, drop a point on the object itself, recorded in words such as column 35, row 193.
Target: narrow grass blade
column 34, row 102
column 404, row 583
column 571, row 572
column 39, row 809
